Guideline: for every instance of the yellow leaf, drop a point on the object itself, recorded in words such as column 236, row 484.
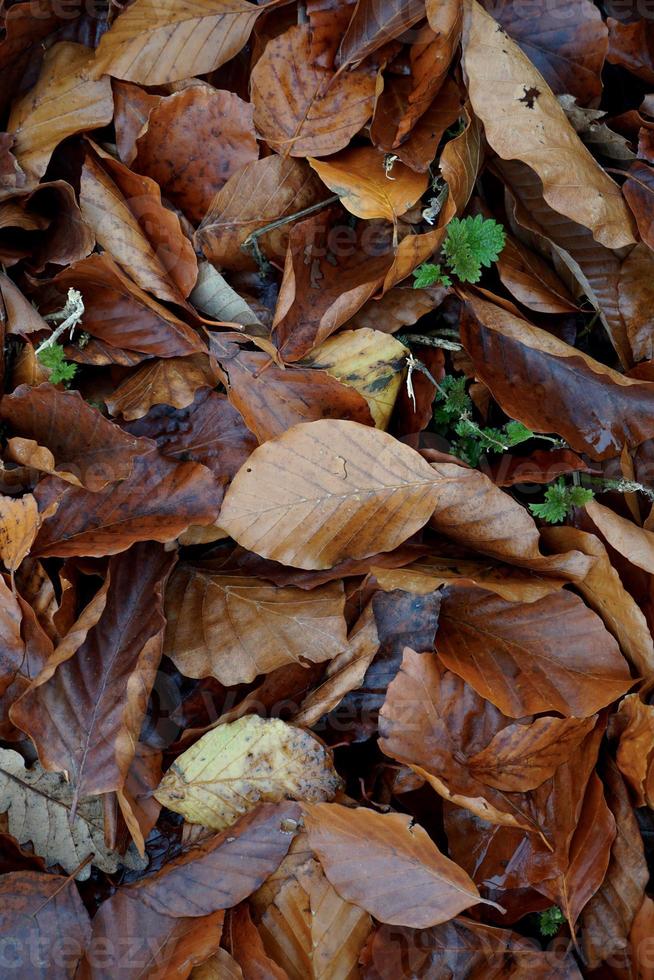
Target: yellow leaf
column 371, row 361
column 236, row 766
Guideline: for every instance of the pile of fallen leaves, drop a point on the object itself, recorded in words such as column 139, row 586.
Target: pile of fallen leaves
column 327, row 472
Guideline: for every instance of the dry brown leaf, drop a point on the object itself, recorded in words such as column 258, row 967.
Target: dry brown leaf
column 310, row 931
column 634, row 722
column 129, row 221
column 366, row 188
column 635, row 543
column 596, row 409
column 19, row 525
column 158, row 41
column 328, row 490
column 521, row 116
column 237, row 765
column 533, row 657
column 345, row 673
column 375, row 23
column 60, row 433
column 261, row 192
column 361, row 851
column 604, row 592
column 430, row 572
column 173, row 381
column 157, row 502
column 64, row 101
column 302, row 109
column 234, row 627
column 217, row 124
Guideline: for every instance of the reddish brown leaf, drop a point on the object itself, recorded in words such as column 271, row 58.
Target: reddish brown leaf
column 85, row 710
column 359, row 849
column 256, row 195
column 218, row 124
column 531, row 657
column 157, row 502
column 374, row 23
column 174, row 381
column 58, row 432
column 302, row 109
column 44, row 914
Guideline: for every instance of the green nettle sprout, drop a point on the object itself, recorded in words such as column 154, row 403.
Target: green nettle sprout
column 470, row 243
column 560, row 501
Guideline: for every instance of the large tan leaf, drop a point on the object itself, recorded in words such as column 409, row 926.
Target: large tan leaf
column 521, row 116
column 553, row 387
column 38, row 807
column 359, row 177
column 58, row 432
column 260, row 193
column 237, row 765
column 371, row 361
column 64, row 101
column 234, row 627
column 158, row 41
column 604, row 592
column 310, row 931
column 385, row 865
column 85, row 709
column 302, row 109
column 157, row 502
column 130, row 222
column 531, row 657
column 328, row 490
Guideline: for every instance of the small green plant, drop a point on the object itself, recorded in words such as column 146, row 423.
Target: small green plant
column 470, row 243
column 550, row 921
column 560, row 500
column 453, row 418
column 54, row 359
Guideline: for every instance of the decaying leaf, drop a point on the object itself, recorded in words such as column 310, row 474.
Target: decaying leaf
column 229, row 770
column 38, row 805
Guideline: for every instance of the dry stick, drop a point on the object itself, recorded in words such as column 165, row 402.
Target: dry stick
column 251, row 240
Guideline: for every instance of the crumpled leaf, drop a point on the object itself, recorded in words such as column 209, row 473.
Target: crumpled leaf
column 229, row 770
column 19, row 525
column 302, row 109
column 38, row 805
column 248, row 626
column 309, row 930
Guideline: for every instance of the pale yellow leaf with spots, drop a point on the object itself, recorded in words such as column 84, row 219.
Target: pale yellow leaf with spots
column 236, row 766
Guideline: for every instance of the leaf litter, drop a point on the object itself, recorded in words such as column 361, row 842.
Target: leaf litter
column 327, row 428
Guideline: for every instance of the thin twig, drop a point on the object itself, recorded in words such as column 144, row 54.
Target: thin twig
column 251, row 240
